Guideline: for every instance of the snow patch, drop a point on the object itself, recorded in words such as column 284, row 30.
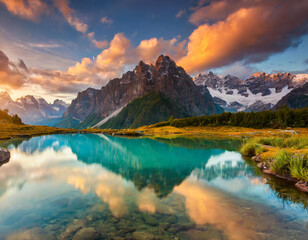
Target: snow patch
column 272, row 98
column 113, row 114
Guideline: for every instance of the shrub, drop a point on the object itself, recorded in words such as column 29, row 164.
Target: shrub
column 281, row 162
column 299, row 167
column 248, row 149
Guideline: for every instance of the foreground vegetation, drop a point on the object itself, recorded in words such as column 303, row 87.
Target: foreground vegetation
column 283, row 157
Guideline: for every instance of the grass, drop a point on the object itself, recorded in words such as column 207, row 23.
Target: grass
column 299, row 167
column 285, row 155
column 8, row 130
column 290, row 142
column 281, row 163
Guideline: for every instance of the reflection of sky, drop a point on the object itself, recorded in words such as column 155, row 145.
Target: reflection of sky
column 40, row 174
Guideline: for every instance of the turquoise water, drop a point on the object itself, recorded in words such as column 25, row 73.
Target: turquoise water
column 101, row 187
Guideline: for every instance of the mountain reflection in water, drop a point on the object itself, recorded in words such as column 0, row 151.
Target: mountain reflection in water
column 202, row 185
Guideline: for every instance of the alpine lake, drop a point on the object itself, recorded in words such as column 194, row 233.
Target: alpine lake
column 94, row 186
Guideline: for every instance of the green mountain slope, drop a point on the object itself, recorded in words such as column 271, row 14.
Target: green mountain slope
column 146, row 110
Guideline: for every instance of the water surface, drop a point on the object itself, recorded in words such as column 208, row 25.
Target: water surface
column 61, row 186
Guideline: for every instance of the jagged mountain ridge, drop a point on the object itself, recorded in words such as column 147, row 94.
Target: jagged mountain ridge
column 259, row 92
column 93, row 105
column 297, row 98
column 34, row 110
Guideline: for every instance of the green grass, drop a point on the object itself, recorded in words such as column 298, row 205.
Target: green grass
column 299, row 167
column 294, row 142
column 281, row 162
column 251, row 149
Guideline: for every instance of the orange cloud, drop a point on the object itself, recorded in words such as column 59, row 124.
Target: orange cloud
column 250, row 33
column 209, row 206
column 149, row 49
column 29, row 9
column 80, row 67
column 100, row 44
column 106, row 20
column 67, row 12
column 11, row 75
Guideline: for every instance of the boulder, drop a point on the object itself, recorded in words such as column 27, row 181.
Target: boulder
column 4, row 155
column 87, row 233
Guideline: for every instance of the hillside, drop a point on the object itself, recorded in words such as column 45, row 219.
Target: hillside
column 152, row 108
column 297, row 98
column 5, row 117
column 282, row 118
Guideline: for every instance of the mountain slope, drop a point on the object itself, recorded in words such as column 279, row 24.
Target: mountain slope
column 34, row 110
column 152, row 108
column 259, row 92
column 297, row 98
column 164, row 77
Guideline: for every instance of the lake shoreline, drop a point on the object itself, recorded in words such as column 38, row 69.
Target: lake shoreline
column 12, row 131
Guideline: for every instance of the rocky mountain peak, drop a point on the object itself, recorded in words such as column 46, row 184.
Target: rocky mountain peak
column 5, row 97
column 163, row 77
column 60, row 102
column 163, row 63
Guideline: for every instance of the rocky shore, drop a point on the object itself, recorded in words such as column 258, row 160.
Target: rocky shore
column 301, row 185
column 4, row 155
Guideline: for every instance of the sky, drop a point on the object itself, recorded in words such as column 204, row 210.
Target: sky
column 56, row 48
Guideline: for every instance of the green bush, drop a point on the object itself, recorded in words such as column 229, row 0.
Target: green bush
column 299, row 167
column 281, row 162
column 248, row 149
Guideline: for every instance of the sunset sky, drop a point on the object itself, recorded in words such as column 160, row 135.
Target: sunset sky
column 55, row 48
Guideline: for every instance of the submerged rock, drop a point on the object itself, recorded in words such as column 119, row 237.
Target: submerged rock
column 303, row 186
column 32, row 234
column 87, row 233
column 4, row 155
column 142, row 235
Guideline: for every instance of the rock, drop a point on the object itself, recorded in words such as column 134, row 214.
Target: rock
column 4, row 155
column 303, row 186
column 71, row 229
column 87, row 234
column 31, row 234
column 257, row 158
column 142, row 235
column 149, row 219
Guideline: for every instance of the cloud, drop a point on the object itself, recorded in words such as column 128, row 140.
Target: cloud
column 11, row 75
column 29, row 9
column 106, row 20
column 67, row 12
column 180, row 13
column 240, row 70
column 148, row 50
column 91, row 35
column 251, row 32
column 100, row 44
column 44, row 45
column 306, row 61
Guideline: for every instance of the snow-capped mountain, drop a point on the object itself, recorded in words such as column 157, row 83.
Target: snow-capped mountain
column 259, row 92
column 34, row 110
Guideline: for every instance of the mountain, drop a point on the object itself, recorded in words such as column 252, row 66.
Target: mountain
column 259, row 92
column 152, row 108
column 34, row 110
column 297, row 98
column 93, row 105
